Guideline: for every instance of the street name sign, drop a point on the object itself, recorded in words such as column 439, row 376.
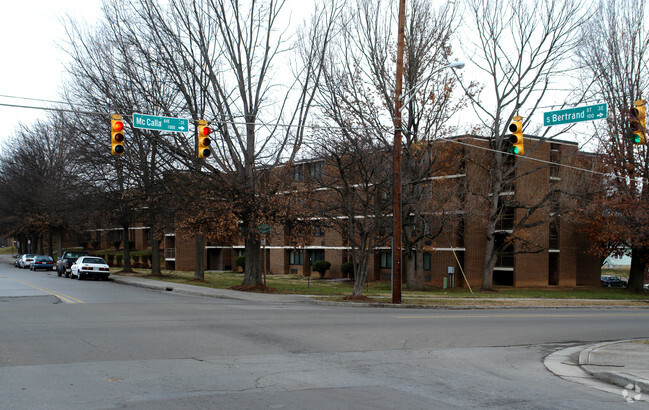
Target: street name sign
column 154, row 122
column 577, row 114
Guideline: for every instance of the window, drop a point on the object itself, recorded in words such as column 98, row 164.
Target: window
column 298, row 176
column 386, row 260
column 317, row 170
column 317, row 255
column 318, row 231
column 427, row 260
column 296, row 258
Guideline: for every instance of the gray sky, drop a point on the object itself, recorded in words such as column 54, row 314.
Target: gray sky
column 32, row 62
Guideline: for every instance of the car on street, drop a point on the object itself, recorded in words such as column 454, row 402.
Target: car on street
column 90, row 266
column 646, row 286
column 26, row 261
column 64, row 264
column 17, row 260
column 611, row 281
column 44, row 262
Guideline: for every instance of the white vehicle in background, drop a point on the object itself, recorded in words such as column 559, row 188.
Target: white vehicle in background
column 90, row 266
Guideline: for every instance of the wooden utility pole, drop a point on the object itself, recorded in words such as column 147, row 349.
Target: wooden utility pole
column 396, row 190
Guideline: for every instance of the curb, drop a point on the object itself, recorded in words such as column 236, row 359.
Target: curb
column 247, row 296
column 619, row 379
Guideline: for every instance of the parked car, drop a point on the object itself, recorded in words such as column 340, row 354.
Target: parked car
column 646, row 286
column 17, row 260
column 90, row 266
column 26, row 261
column 42, row 262
column 611, row 281
column 64, row 264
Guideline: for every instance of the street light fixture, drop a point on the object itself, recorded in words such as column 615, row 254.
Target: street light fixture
column 406, row 97
column 396, row 171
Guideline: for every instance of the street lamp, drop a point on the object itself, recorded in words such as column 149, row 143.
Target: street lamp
column 396, row 171
column 410, row 94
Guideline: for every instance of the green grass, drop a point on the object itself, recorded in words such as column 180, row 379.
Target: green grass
column 7, row 251
column 295, row 284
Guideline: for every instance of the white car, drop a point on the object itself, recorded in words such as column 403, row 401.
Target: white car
column 90, row 266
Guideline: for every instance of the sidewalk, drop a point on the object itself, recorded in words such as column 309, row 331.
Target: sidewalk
column 205, row 291
column 620, row 368
column 624, row 364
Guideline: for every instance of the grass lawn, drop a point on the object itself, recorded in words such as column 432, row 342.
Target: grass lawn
column 295, row 284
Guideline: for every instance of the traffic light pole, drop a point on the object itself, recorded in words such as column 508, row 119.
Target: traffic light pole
column 396, row 173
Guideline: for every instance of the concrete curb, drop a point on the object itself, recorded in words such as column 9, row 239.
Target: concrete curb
column 312, row 299
column 621, row 379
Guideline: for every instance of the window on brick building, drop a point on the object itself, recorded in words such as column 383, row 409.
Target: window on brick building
column 316, row 170
column 386, row 260
column 296, row 258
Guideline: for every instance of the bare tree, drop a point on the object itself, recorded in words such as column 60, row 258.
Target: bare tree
column 39, row 185
column 359, row 92
column 614, row 51
column 521, row 49
column 235, row 53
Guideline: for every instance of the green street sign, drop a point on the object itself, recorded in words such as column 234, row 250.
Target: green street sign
column 264, row 229
column 577, row 114
column 153, row 122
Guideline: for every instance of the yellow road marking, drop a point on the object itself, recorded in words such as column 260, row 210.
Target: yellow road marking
column 522, row 315
column 59, row 295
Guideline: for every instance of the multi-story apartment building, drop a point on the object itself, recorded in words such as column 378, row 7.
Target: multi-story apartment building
column 555, row 252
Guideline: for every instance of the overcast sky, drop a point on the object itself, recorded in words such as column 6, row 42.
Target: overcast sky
column 32, row 63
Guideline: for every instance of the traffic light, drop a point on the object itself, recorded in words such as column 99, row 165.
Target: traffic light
column 116, row 136
column 516, row 128
column 637, row 123
column 203, row 146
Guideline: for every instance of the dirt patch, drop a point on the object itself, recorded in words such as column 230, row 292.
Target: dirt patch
column 361, row 299
column 254, row 288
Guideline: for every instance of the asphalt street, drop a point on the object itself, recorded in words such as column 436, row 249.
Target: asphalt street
column 90, row 344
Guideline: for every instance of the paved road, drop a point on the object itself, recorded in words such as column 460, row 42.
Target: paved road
column 92, row 344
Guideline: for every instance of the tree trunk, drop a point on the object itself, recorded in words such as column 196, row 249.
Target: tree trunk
column 639, row 258
column 360, row 274
column 199, row 269
column 420, row 280
column 50, row 245
column 490, row 244
column 252, row 270
column 127, row 251
column 59, row 243
column 155, row 258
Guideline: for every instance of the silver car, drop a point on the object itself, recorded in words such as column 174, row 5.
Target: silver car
column 26, row 260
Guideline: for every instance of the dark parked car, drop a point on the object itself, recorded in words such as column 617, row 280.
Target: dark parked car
column 612, row 281
column 42, row 262
column 66, row 260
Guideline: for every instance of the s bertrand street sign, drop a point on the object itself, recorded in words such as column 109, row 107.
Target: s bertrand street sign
column 153, row 122
column 577, row 114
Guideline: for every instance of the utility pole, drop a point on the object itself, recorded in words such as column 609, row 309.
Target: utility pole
column 396, row 190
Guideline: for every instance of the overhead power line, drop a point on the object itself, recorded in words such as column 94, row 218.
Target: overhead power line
column 319, row 127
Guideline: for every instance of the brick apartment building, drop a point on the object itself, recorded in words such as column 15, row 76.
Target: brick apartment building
column 457, row 256
column 560, row 257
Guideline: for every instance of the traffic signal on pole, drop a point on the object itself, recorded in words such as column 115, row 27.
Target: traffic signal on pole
column 203, row 145
column 637, row 123
column 116, row 135
column 516, row 128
